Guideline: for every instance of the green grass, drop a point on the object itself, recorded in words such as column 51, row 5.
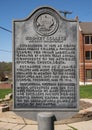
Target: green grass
column 86, row 91
column 73, row 128
column 4, row 92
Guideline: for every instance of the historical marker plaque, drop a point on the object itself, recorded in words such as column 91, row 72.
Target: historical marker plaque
column 45, row 62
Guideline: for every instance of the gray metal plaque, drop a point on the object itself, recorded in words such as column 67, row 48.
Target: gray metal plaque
column 45, row 62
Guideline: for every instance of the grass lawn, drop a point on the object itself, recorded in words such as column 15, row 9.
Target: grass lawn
column 86, row 91
column 4, row 92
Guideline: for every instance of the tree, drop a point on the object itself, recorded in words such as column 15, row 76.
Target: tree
column 5, row 69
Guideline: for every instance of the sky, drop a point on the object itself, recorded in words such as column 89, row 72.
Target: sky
column 19, row 9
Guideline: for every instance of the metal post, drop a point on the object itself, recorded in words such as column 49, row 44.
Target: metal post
column 45, row 121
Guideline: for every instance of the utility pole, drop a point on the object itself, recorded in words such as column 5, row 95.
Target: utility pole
column 65, row 13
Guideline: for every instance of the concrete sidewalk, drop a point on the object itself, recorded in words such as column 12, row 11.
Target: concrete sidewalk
column 85, row 125
column 78, row 126
column 10, row 121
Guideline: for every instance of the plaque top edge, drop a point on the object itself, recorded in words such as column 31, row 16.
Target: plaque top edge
column 43, row 8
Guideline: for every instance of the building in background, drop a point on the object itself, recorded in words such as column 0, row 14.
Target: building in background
column 85, row 52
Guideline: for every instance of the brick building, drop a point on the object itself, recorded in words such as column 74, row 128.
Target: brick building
column 85, row 52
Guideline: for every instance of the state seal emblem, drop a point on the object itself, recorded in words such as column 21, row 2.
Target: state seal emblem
column 46, row 24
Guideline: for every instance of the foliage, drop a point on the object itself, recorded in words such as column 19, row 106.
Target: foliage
column 86, row 91
column 5, row 66
column 4, row 92
column 5, row 69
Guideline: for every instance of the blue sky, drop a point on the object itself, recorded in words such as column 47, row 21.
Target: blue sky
column 20, row 9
